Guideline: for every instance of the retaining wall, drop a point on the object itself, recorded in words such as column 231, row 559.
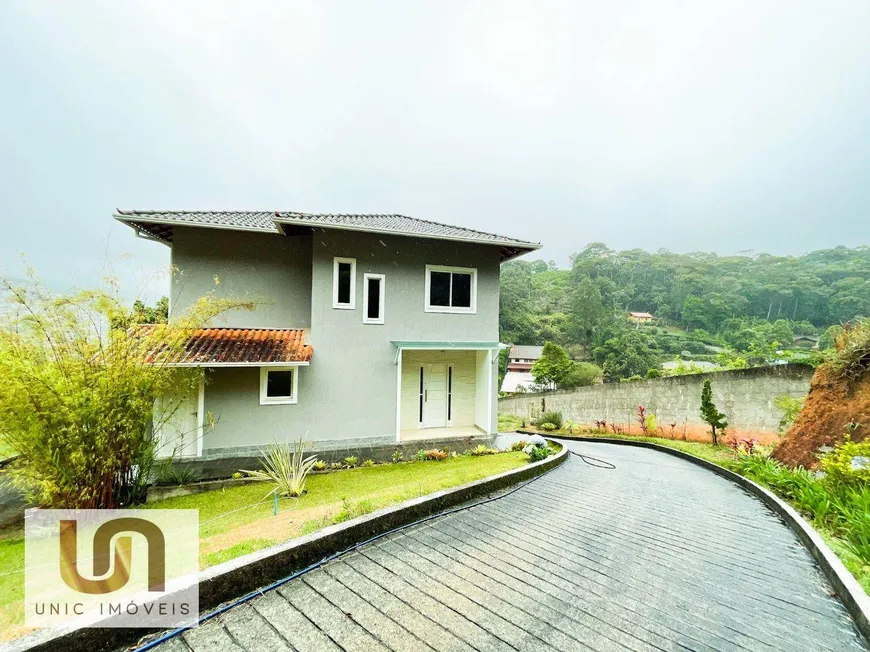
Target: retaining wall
column 746, row 396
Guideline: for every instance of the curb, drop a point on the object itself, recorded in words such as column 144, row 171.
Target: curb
column 238, row 577
column 855, row 599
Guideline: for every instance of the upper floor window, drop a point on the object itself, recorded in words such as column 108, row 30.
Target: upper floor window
column 373, row 298
column 344, row 283
column 451, row 289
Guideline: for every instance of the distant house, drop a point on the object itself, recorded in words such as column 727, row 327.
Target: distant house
column 806, row 342
column 519, row 369
column 640, row 317
column 521, row 358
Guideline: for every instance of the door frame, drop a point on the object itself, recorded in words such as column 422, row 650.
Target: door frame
column 448, row 394
column 200, row 415
column 198, row 431
column 492, row 358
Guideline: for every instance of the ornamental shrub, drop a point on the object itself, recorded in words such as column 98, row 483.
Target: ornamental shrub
column 848, row 464
column 537, row 454
column 80, row 382
column 537, row 448
column 552, row 417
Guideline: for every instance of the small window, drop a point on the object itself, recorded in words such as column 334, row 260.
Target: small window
column 278, row 385
column 344, row 283
column 373, row 298
column 451, row 289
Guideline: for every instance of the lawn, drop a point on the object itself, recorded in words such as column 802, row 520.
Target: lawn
column 510, row 422
column 239, row 520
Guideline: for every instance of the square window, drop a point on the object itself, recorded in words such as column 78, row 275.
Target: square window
column 451, row 289
column 277, row 385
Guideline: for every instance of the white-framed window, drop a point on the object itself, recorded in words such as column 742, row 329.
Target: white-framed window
column 344, row 283
column 374, row 287
column 278, row 385
column 451, row 289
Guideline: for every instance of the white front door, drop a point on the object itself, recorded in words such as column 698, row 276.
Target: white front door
column 435, row 396
column 178, row 431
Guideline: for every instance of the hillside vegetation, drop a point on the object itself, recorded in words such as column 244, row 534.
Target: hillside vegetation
column 737, row 311
column 838, row 404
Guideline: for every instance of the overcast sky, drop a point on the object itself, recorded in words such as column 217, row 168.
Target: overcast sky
column 694, row 125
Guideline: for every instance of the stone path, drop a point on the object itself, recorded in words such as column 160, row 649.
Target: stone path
column 657, row 555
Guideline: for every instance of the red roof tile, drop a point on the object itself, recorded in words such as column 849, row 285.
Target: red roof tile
column 237, row 346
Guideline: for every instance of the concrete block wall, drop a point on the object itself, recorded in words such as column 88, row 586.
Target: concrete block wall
column 746, row 396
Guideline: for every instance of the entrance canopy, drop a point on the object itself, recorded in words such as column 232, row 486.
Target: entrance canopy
column 446, row 346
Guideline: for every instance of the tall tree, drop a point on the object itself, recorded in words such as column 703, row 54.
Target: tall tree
column 709, row 413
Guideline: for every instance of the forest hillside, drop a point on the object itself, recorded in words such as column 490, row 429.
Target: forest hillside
column 740, row 310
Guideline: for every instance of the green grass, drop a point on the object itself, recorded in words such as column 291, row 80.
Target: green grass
column 240, row 520
column 509, row 422
column 379, row 485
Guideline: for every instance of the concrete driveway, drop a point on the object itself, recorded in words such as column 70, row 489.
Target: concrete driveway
column 656, row 555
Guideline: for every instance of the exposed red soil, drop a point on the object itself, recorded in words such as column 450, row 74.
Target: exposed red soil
column 831, row 406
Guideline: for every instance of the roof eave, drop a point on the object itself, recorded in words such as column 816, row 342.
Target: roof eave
column 525, row 246
column 519, row 252
column 509, row 249
column 133, row 220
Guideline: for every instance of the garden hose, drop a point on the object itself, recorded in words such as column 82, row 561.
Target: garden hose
column 601, row 464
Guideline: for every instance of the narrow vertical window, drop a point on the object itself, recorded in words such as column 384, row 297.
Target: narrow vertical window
column 421, row 395
column 373, row 298
column 449, row 394
column 344, row 283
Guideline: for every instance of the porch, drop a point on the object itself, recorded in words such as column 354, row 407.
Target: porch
column 420, row 434
column 445, row 392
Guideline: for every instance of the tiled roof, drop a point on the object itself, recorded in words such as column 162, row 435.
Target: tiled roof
column 158, row 224
column 525, row 351
column 233, row 346
column 398, row 224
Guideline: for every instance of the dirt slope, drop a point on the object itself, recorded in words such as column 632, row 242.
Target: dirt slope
column 831, row 406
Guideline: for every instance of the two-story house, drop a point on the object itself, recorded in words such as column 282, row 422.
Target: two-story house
column 372, row 329
column 521, row 359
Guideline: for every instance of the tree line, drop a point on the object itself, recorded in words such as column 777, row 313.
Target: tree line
column 749, row 306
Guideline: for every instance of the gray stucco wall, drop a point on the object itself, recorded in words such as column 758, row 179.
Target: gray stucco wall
column 349, row 390
column 362, row 384
column 746, row 397
column 270, row 268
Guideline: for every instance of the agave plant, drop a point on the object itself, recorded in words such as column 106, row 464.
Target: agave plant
column 286, row 467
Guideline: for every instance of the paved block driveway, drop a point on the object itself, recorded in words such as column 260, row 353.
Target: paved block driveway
column 658, row 554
